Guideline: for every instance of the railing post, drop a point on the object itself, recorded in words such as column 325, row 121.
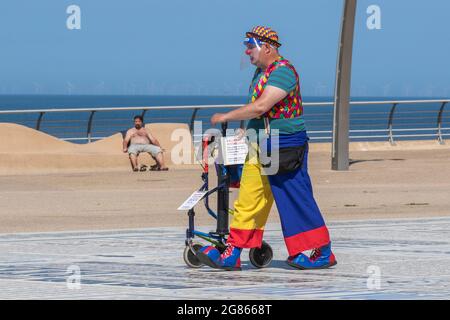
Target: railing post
column 391, row 119
column 39, row 121
column 89, row 128
column 143, row 114
column 439, row 123
column 191, row 123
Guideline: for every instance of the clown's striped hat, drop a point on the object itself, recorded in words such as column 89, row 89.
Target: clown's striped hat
column 264, row 34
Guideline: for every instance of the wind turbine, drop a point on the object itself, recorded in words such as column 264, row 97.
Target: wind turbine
column 37, row 88
column 362, row 90
column 320, row 89
column 386, row 89
column 100, row 87
column 430, row 89
column 133, row 89
column 407, row 90
column 69, row 87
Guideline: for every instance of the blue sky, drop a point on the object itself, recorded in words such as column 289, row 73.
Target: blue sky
column 195, row 47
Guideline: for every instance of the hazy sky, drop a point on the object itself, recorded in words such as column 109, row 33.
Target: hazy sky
column 195, row 47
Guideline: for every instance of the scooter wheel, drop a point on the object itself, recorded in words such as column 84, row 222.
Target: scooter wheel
column 261, row 257
column 190, row 258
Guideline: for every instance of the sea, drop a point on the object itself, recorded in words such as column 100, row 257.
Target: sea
column 367, row 122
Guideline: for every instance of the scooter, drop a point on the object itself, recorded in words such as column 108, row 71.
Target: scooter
column 259, row 257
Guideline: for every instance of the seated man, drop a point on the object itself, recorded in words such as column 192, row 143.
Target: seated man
column 138, row 140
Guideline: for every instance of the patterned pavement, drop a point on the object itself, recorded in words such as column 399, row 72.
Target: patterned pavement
column 378, row 259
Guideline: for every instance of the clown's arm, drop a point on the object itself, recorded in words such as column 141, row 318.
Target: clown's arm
column 264, row 103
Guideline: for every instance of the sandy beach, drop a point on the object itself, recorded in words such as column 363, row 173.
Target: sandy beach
column 407, row 180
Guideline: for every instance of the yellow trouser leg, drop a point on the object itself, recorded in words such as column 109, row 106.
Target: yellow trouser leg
column 251, row 209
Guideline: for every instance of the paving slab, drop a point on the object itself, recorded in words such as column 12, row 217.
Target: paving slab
column 377, row 259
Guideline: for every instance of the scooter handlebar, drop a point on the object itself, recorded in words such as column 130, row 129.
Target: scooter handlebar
column 224, row 128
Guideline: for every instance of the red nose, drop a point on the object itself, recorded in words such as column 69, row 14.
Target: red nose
column 248, row 52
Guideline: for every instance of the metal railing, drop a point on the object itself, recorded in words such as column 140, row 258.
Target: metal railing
column 376, row 124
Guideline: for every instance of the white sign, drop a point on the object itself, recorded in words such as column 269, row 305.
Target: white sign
column 234, row 150
column 192, row 200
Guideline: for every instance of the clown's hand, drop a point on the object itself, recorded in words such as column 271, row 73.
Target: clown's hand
column 218, row 117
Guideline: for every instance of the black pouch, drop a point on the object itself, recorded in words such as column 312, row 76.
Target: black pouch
column 290, row 159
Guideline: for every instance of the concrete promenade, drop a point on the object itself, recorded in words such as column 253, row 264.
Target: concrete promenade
column 389, row 218
column 378, row 259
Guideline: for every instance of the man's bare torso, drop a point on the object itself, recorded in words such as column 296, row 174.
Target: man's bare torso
column 138, row 136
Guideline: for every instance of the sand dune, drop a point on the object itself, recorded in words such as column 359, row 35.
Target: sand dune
column 20, row 139
column 25, row 150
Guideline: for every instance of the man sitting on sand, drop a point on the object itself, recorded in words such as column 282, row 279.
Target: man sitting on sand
column 138, row 140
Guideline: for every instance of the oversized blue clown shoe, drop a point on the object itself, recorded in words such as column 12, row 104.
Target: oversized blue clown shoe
column 229, row 260
column 208, row 254
column 321, row 258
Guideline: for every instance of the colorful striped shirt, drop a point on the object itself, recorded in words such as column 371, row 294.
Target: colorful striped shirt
column 283, row 78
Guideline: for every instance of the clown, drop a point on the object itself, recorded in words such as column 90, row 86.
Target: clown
column 274, row 106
